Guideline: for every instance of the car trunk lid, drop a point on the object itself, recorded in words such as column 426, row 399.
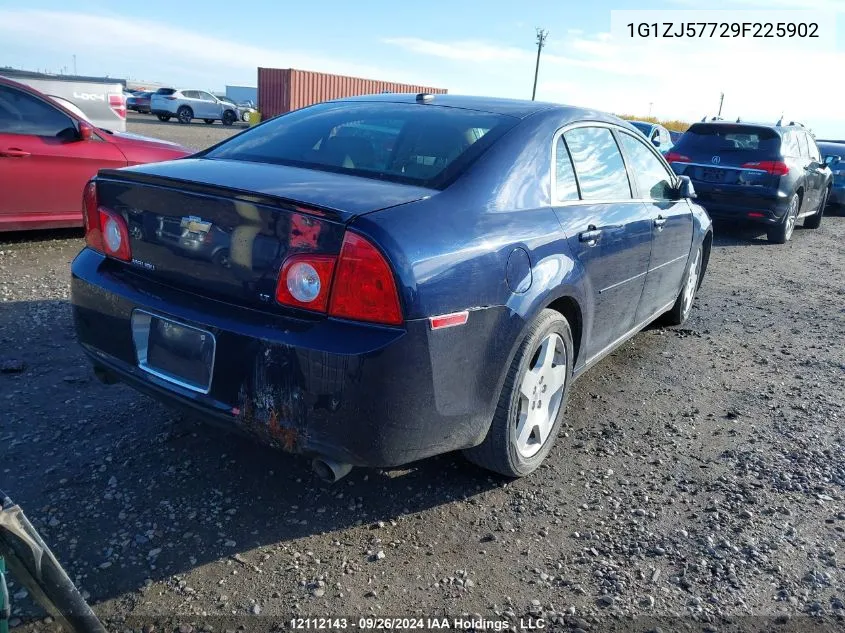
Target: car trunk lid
column 223, row 231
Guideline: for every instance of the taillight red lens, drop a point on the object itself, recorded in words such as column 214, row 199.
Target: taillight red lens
column 305, row 282
column 358, row 284
column 364, row 288
column 118, row 104
column 675, row 157
column 773, row 167
column 91, row 217
column 115, row 235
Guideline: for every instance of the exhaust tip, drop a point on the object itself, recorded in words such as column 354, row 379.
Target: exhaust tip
column 329, row 470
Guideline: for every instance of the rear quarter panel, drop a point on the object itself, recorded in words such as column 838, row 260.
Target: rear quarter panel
column 450, row 253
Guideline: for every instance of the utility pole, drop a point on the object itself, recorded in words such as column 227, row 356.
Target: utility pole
column 541, row 41
column 721, row 101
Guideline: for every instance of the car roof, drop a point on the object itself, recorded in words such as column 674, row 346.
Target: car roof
column 518, row 108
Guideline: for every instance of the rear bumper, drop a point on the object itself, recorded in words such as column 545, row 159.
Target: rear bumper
column 745, row 204
column 367, row 395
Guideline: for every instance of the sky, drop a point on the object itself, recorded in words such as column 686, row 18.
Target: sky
column 485, row 47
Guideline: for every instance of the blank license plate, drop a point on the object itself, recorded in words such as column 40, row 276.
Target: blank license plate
column 179, row 353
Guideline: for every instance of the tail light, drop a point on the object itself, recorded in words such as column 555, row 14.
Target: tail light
column 675, row 157
column 773, row 167
column 91, row 218
column 118, row 105
column 305, row 281
column 105, row 231
column 358, row 284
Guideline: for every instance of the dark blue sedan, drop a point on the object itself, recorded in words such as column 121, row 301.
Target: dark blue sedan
column 402, row 275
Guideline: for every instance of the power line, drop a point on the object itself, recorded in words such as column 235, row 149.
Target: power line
column 541, row 41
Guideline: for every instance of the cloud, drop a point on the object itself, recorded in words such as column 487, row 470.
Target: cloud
column 183, row 50
column 472, row 51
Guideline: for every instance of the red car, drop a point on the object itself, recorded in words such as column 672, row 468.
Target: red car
column 48, row 153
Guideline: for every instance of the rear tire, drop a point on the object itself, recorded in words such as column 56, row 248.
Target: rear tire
column 683, row 304
column 163, row 117
column 209, row 121
column 781, row 233
column 815, row 220
column 533, row 399
column 185, row 114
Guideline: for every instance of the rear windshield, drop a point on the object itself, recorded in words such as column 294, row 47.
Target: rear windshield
column 165, row 91
column 412, row 143
column 714, row 139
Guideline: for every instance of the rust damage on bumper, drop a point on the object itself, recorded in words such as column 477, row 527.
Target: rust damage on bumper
column 271, row 401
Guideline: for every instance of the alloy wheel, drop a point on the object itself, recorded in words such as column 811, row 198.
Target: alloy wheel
column 540, row 395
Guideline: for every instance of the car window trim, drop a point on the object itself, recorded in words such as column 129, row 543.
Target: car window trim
column 613, row 127
column 555, row 199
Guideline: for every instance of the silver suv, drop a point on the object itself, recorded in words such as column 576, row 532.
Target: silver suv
column 187, row 105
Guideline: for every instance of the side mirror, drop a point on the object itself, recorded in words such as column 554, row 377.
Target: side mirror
column 685, row 188
column 86, row 131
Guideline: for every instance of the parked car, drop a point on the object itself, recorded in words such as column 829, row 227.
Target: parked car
column 833, row 154
column 187, row 105
column 675, row 136
column 381, row 305
column 49, row 151
column 769, row 174
column 657, row 134
column 139, row 102
column 101, row 99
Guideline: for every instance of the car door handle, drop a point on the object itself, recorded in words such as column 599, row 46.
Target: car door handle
column 659, row 221
column 590, row 236
column 14, row 152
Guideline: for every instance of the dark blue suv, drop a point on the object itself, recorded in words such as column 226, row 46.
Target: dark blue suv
column 771, row 174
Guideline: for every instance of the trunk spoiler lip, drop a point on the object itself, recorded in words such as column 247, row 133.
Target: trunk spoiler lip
column 289, row 204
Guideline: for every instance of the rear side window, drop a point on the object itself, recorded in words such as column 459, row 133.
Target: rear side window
column 598, row 163
column 790, row 145
column 718, row 138
column 22, row 113
column 566, row 187
column 424, row 145
column 814, row 150
column 165, row 91
column 653, row 179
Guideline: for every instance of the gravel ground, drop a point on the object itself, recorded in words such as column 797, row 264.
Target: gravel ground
column 197, row 135
column 698, row 484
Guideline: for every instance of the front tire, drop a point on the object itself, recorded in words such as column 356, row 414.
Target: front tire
column 683, row 304
column 781, row 233
column 185, row 114
column 229, row 117
column 815, row 220
column 531, row 406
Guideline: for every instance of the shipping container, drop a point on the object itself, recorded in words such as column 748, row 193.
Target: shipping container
column 281, row 90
